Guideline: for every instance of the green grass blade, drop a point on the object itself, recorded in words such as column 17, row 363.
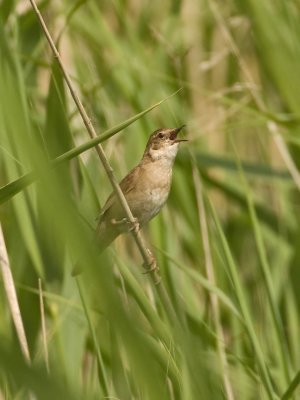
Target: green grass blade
column 292, row 387
column 12, row 188
column 101, row 369
column 266, row 273
column 244, row 309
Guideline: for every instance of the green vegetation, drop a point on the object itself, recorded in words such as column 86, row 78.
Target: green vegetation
column 228, row 241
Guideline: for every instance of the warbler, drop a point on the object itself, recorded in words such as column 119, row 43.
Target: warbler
column 146, row 187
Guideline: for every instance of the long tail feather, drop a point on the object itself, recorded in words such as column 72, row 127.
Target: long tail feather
column 105, row 236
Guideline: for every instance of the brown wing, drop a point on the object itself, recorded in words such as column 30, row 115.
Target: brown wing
column 127, row 184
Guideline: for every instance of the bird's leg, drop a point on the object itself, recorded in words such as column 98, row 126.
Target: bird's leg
column 132, row 225
column 115, row 221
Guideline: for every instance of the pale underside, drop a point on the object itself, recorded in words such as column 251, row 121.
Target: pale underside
column 144, row 182
column 146, row 189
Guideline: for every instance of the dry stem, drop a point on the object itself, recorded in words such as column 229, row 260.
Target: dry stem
column 145, row 252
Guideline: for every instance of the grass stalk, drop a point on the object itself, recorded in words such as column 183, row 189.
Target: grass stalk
column 103, row 380
column 244, row 308
column 150, row 262
column 214, row 301
column 12, row 298
column 266, row 272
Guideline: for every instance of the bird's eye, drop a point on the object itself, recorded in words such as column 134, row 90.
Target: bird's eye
column 160, row 135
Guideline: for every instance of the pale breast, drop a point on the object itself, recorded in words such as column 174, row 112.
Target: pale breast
column 152, row 191
column 157, row 198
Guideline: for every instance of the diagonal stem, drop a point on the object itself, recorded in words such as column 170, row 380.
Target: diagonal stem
column 12, row 298
column 147, row 256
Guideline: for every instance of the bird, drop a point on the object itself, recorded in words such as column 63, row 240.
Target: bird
column 146, row 187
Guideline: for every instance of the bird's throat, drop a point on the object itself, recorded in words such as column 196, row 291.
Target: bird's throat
column 166, row 154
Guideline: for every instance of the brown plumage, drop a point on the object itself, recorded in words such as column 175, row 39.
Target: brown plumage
column 146, row 187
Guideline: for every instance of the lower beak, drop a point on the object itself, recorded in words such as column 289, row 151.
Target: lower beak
column 176, row 131
column 181, row 140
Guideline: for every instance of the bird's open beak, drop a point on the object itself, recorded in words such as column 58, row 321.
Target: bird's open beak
column 175, row 133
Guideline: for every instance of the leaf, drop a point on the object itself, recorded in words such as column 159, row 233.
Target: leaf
column 12, row 188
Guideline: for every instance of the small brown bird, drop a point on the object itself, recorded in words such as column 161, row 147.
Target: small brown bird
column 146, row 187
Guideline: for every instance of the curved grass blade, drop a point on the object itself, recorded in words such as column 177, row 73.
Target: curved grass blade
column 244, row 308
column 207, row 160
column 12, row 188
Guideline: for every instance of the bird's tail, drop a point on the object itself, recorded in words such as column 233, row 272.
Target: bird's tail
column 105, row 236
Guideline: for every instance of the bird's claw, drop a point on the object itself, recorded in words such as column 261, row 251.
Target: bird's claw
column 150, row 266
column 135, row 226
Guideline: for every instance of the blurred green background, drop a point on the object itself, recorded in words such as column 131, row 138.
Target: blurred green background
column 228, row 240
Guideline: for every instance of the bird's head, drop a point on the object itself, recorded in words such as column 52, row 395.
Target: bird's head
column 163, row 143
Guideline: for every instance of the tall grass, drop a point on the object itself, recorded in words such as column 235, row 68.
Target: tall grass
column 228, row 241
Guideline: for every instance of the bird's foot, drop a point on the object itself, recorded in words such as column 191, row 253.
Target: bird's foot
column 151, row 265
column 132, row 225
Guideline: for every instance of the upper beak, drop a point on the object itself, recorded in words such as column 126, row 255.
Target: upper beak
column 176, row 131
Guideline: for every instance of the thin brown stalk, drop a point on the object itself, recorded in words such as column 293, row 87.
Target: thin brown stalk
column 271, row 125
column 12, row 299
column 150, row 262
column 236, row 52
column 285, row 154
column 215, row 307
